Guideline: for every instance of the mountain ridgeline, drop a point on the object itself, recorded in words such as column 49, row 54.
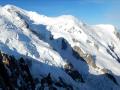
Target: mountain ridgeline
column 56, row 53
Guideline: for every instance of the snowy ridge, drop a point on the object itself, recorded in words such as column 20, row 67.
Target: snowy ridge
column 57, row 44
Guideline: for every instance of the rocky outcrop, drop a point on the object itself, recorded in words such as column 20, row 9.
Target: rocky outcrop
column 64, row 44
column 112, row 78
column 117, row 34
column 112, row 52
column 90, row 61
column 75, row 75
column 15, row 75
column 88, row 58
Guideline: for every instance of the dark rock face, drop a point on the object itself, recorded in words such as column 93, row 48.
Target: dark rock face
column 77, row 56
column 64, row 44
column 15, row 74
column 112, row 78
column 75, row 75
column 111, row 52
column 117, row 34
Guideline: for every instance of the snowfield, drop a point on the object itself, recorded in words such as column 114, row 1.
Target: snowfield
column 54, row 42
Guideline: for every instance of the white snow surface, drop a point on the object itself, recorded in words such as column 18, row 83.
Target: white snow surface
column 27, row 33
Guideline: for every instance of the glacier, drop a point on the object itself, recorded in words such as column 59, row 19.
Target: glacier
column 87, row 57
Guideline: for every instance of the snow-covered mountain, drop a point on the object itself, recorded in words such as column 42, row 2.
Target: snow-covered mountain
column 85, row 57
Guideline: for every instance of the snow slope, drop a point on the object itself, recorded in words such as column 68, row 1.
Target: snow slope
column 50, row 42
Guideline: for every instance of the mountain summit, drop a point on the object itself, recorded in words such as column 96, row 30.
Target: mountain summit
column 57, row 53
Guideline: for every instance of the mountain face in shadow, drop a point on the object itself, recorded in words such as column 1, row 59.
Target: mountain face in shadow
column 16, row 74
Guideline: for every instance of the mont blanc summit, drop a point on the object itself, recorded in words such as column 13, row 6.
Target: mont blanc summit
column 38, row 52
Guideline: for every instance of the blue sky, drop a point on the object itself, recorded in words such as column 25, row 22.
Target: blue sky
column 88, row 11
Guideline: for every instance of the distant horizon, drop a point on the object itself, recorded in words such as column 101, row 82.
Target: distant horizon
column 91, row 12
